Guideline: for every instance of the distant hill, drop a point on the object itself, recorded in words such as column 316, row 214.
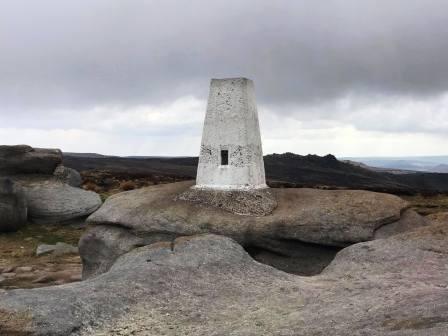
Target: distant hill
column 442, row 168
column 87, row 155
column 282, row 170
column 435, row 164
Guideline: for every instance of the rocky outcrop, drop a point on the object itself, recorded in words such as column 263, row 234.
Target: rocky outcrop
column 24, row 159
column 13, row 206
column 50, row 201
column 51, row 191
column 208, row 285
column 303, row 219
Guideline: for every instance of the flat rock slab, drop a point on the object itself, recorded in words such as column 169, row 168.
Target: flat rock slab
column 208, row 285
column 59, row 248
column 52, row 201
column 329, row 217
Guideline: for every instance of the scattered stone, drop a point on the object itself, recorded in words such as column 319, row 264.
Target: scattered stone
column 58, row 277
column 68, row 176
column 57, row 249
column 23, row 269
column 2, row 279
column 13, row 206
column 9, row 275
column 25, row 276
column 7, row 269
column 24, row 159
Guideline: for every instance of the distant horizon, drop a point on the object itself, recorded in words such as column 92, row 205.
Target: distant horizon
column 264, row 154
column 430, row 163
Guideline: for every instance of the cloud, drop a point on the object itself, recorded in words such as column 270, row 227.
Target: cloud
column 104, row 52
column 140, row 69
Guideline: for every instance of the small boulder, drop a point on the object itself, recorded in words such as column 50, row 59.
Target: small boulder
column 68, row 176
column 57, row 249
column 24, row 269
column 13, row 206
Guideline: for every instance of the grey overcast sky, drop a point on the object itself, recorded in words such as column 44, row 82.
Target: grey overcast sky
column 348, row 77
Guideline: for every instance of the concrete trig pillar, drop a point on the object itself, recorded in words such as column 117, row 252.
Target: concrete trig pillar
column 231, row 156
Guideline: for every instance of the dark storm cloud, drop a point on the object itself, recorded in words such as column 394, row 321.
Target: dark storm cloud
column 79, row 54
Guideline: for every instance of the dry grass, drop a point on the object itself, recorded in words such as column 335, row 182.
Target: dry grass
column 15, row 323
column 91, row 187
column 427, row 205
column 127, row 185
column 19, row 249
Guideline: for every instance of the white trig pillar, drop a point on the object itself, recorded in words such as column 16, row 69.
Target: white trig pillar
column 231, row 156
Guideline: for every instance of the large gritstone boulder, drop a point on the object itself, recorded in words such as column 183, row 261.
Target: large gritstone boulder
column 208, row 285
column 13, row 206
column 51, row 201
column 24, row 159
column 304, row 220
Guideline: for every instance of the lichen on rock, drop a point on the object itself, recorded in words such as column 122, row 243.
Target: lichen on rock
column 256, row 202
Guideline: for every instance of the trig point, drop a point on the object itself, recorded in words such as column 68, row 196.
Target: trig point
column 231, row 156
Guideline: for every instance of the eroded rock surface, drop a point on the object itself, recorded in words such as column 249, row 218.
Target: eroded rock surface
column 324, row 217
column 208, row 285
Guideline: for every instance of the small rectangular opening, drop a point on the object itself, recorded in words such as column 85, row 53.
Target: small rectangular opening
column 224, row 157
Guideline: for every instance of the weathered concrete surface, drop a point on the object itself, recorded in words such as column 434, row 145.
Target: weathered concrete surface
column 208, row 285
column 24, row 159
column 13, row 206
column 332, row 218
column 231, row 124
